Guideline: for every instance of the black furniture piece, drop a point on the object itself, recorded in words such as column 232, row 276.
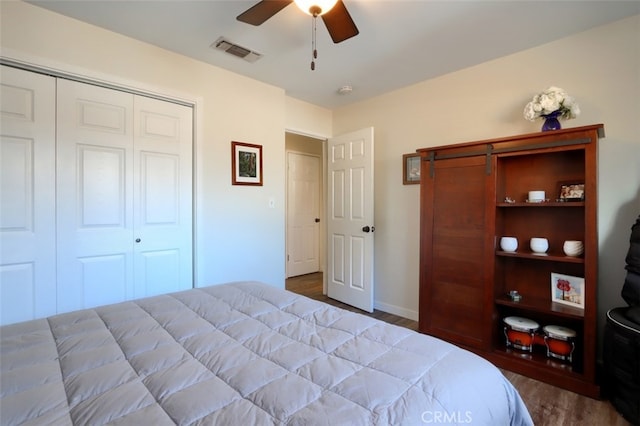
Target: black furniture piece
column 622, row 340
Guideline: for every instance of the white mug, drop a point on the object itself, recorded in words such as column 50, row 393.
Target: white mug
column 509, row 243
column 573, row 248
column 539, row 245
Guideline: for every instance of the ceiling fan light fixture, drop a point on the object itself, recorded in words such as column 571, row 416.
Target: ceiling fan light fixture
column 315, row 7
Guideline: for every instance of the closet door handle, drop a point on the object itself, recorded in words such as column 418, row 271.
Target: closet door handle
column 137, row 240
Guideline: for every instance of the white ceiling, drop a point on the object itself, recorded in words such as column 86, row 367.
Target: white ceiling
column 400, row 42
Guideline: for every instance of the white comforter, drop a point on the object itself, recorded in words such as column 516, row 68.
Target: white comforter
column 241, row 353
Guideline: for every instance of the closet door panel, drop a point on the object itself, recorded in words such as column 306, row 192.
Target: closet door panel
column 163, row 197
column 27, row 185
column 94, row 196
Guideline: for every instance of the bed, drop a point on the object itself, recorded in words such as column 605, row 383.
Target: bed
column 241, row 353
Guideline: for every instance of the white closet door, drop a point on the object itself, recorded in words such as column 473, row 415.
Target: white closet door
column 94, row 195
column 162, row 197
column 124, row 196
column 27, row 188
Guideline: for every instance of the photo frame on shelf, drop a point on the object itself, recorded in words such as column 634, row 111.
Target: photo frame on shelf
column 567, row 290
column 570, row 191
column 410, row 169
column 246, row 164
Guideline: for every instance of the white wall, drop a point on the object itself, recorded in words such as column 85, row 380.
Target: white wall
column 238, row 236
column 600, row 68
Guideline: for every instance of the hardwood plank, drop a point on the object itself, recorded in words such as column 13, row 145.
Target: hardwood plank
column 548, row 405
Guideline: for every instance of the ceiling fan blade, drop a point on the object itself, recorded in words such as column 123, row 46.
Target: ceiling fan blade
column 263, row 10
column 339, row 23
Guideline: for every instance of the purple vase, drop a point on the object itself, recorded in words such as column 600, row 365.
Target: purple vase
column 551, row 121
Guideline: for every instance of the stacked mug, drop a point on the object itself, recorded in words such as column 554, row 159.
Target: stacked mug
column 573, row 248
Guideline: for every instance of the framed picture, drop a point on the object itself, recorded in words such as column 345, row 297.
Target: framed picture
column 571, row 191
column 568, row 290
column 246, row 164
column 410, row 169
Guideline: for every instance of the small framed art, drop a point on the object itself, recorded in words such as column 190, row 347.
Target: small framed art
column 568, row 290
column 410, row 169
column 246, row 164
column 571, row 191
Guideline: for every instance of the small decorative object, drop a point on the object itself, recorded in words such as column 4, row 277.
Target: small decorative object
column 246, row 164
column 509, row 244
column 559, row 341
column 539, row 245
column 571, row 191
column 551, row 121
column 520, row 332
column 552, row 104
column 509, row 200
column 573, row 248
column 410, row 169
column 515, row 296
column 568, row 290
column 536, row 197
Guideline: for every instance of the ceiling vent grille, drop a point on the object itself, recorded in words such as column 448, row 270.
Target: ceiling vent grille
column 235, row 50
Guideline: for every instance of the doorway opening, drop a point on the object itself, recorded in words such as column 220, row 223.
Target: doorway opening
column 305, row 211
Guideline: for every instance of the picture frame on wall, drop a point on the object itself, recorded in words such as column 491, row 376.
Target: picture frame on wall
column 410, row 169
column 246, row 164
column 567, row 290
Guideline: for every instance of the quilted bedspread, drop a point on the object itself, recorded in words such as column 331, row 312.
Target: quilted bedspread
column 241, row 354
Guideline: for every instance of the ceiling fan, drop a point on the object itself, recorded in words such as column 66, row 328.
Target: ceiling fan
column 333, row 12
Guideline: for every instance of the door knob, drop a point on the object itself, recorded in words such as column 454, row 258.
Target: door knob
column 317, row 219
column 137, row 240
column 365, row 229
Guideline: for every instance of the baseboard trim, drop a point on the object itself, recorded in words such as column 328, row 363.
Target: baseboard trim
column 396, row 310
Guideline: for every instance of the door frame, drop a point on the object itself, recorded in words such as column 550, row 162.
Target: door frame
column 323, row 206
column 70, row 72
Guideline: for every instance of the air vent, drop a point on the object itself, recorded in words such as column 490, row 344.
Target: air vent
column 235, row 50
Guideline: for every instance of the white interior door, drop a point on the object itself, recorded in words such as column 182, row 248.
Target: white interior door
column 303, row 214
column 350, row 219
column 94, row 196
column 162, row 197
column 27, row 188
column 124, row 196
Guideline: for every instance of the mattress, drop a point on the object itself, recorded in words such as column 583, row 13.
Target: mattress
column 241, row 353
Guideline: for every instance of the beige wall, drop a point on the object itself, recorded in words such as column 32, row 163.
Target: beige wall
column 600, row 68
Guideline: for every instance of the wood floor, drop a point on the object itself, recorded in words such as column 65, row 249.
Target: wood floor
column 548, row 405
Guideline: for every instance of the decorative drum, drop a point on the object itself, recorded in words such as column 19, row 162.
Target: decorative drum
column 520, row 332
column 560, row 341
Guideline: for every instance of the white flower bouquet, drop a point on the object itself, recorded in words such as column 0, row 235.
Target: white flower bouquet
column 554, row 99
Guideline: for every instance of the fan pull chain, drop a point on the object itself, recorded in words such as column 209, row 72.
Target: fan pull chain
column 314, row 51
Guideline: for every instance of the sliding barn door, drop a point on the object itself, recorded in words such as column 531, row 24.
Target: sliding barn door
column 124, row 196
column 27, row 188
